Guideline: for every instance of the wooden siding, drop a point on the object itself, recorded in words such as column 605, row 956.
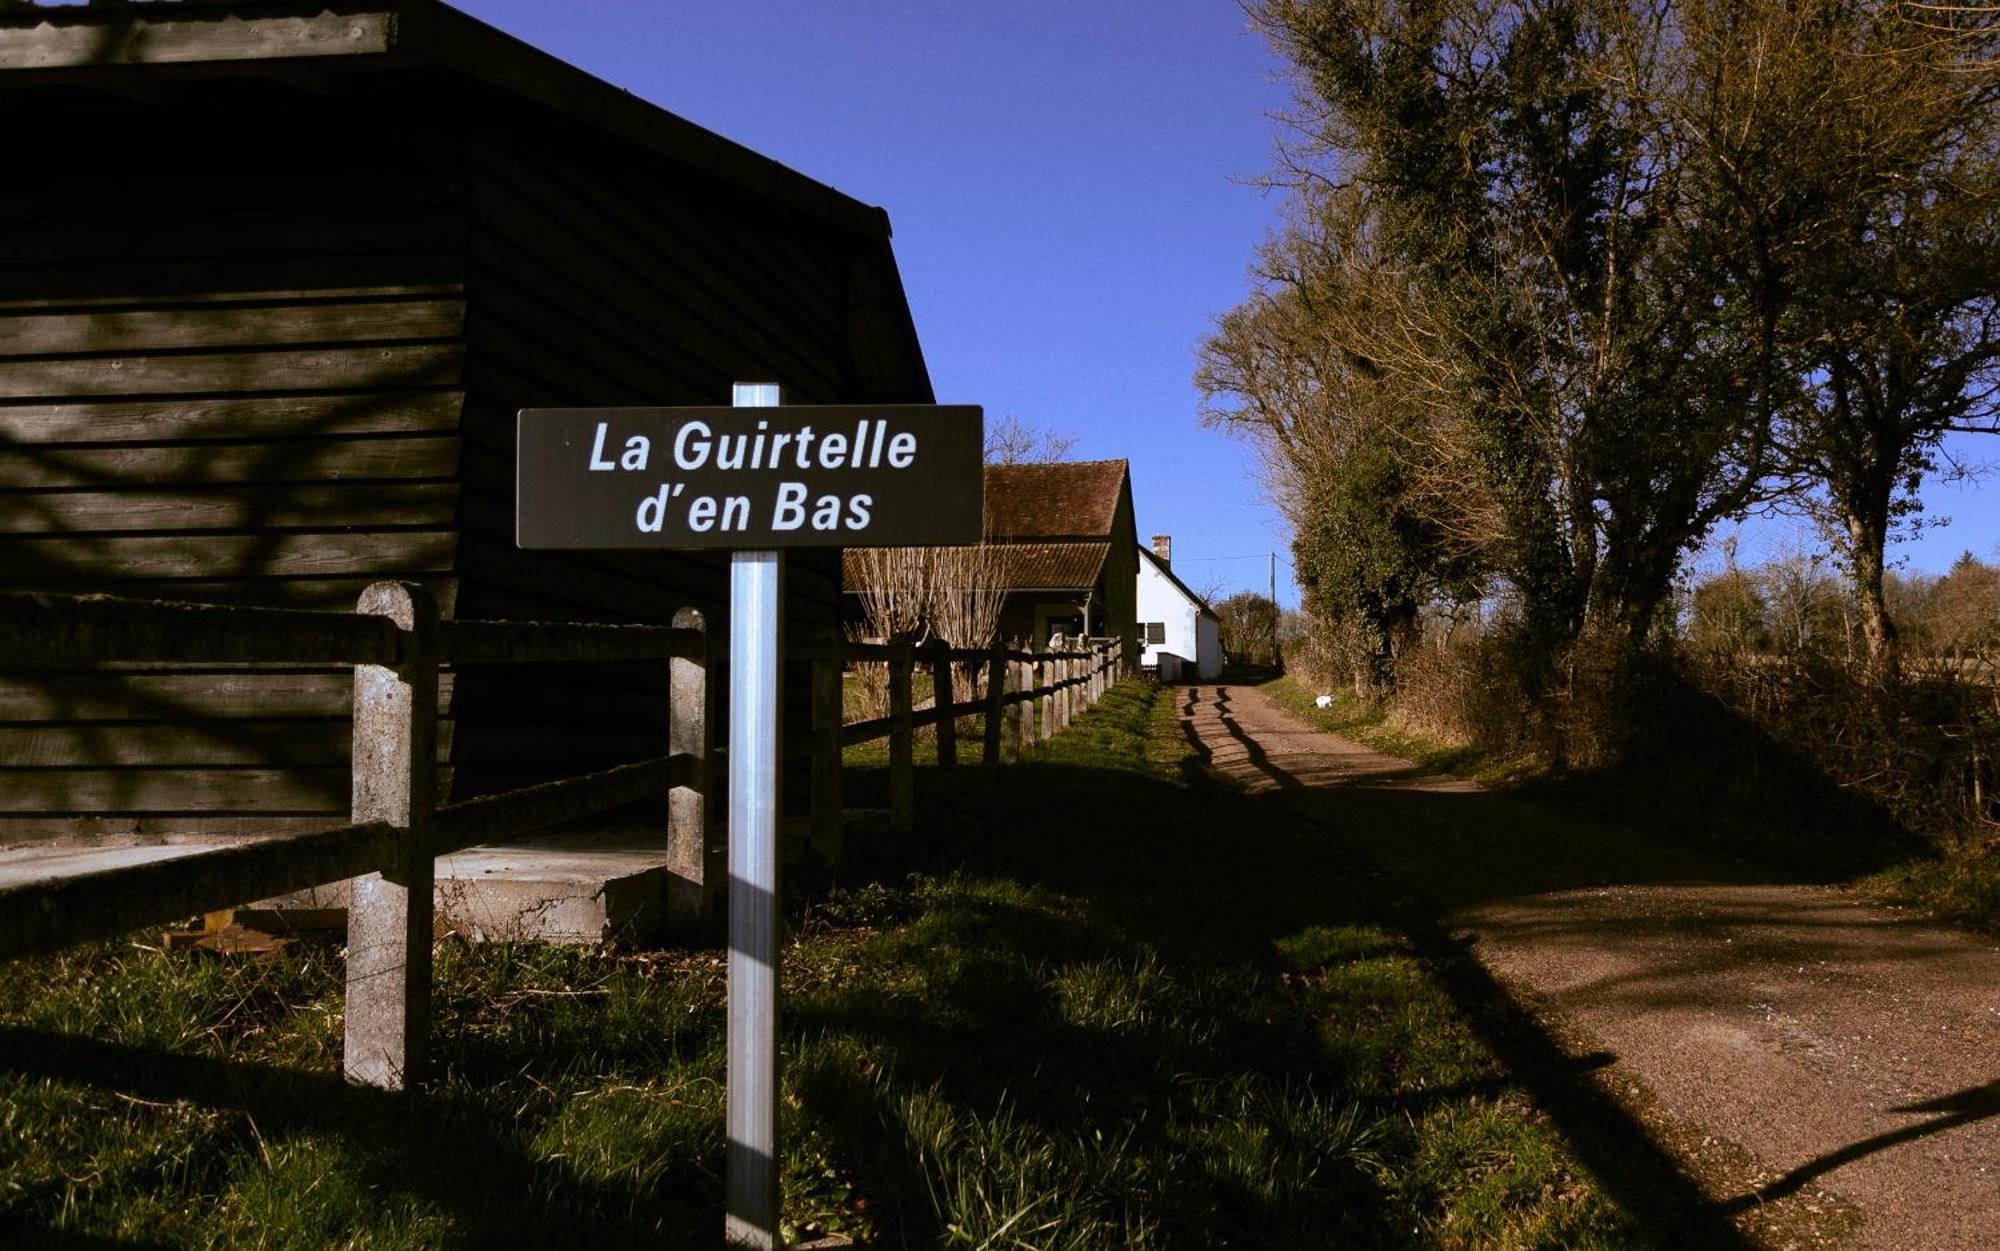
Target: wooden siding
column 222, row 378
column 263, row 336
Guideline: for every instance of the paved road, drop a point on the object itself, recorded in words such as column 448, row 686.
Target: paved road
column 1845, row 1047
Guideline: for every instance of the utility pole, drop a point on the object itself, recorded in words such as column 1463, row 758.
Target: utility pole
column 1274, row 609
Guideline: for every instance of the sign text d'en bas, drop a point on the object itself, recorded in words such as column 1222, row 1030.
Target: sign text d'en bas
column 800, row 476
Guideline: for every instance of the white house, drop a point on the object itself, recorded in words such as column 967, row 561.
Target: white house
column 1179, row 636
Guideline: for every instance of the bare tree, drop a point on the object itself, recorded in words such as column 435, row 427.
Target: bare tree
column 1011, row 441
column 1870, row 185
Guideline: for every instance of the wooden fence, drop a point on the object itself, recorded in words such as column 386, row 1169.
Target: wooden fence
column 397, row 645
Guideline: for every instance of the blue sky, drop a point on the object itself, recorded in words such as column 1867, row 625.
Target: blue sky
column 1068, row 185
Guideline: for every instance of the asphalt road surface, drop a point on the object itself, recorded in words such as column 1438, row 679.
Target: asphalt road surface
column 1832, row 1048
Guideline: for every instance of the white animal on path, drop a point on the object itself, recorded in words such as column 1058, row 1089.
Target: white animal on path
column 1323, row 701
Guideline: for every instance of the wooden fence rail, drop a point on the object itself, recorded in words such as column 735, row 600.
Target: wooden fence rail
column 397, row 645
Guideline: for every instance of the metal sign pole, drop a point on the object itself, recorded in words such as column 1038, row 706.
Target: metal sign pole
column 706, row 477
column 755, row 588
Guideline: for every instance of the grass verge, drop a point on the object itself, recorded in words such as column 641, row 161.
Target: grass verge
column 1956, row 880
column 1109, row 1010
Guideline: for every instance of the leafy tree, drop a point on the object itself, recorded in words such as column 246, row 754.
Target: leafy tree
column 1964, row 617
column 1568, row 283
column 1249, row 626
column 1729, row 614
column 1326, row 368
column 1527, row 188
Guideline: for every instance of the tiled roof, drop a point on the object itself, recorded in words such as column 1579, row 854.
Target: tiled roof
column 1063, row 499
column 1029, row 566
column 1053, row 566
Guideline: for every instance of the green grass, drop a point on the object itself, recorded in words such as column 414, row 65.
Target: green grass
column 1108, row 1009
column 1962, row 884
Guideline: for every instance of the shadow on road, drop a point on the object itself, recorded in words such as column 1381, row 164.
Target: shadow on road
column 1961, row 1108
column 1626, row 926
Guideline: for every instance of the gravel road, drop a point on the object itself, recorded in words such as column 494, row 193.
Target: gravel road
column 1847, row 1049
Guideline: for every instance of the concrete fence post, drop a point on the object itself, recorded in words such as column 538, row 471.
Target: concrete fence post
column 1045, row 678
column 389, row 923
column 692, row 888
column 1020, row 715
column 828, row 712
column 902, row 760
column 944, row 696
column 1021, row 731
column 1065, row 670
column 997, row 666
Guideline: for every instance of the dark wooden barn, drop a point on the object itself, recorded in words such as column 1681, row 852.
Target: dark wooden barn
column 274, row 280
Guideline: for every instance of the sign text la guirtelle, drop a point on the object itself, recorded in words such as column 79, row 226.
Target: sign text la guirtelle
column 850, row 475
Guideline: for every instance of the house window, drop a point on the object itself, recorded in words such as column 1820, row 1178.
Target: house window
column 1156, row 633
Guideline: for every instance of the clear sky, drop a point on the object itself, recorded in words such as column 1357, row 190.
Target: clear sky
column 1067, row 182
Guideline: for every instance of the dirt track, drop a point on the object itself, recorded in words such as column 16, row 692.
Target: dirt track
column 1844, row 1047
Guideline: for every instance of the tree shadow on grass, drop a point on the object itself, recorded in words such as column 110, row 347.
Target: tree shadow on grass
column 461, row 1160
column 1210, row 884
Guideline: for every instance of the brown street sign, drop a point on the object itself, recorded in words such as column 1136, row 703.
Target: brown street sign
column 845, row 475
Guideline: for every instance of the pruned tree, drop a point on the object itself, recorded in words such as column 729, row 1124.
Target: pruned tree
column 895, row 590
column 951, row 594
column 920, row 593
column 968, row 588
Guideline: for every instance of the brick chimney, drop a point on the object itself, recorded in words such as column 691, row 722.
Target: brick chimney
column 1163, row 547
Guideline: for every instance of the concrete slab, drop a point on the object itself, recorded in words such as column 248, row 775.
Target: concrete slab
column 573, row 886
column 588, row 884
column 21, row 865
